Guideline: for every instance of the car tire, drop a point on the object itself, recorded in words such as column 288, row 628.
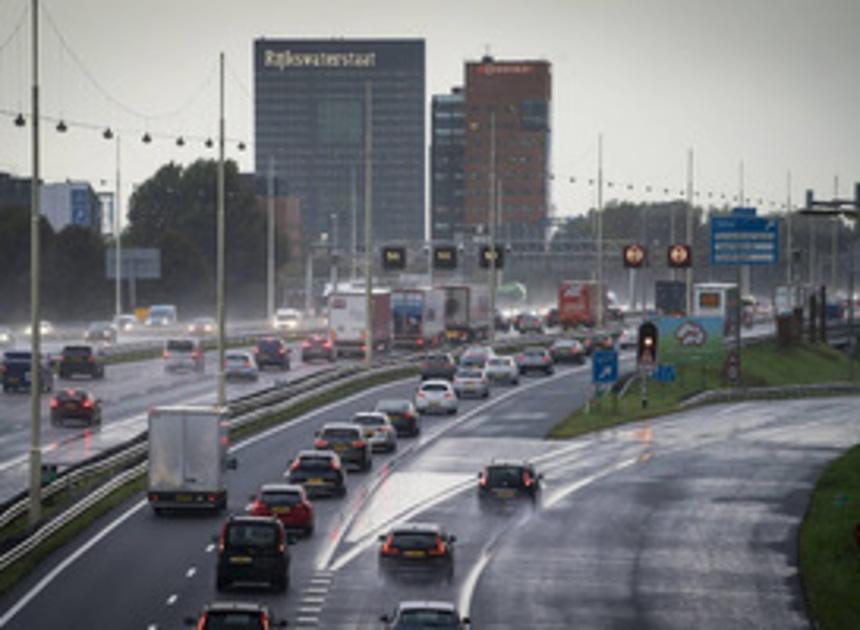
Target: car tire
column 451, row 412
column 486, row 394
column 341, row 492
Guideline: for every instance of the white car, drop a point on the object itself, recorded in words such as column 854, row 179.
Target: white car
column 125, row 322
column 377, row 429
column 240, row 365
column 287, row 319
column 471, row 382
column 183, row 355
column 502, row 370
column 6, row 337
column 436, row 396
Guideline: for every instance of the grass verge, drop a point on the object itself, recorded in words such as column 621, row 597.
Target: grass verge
column 761, row 365
column 829, row 557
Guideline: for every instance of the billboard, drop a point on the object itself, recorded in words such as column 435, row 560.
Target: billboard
column 686, row 340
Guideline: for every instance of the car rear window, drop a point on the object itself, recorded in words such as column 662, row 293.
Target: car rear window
column 315, row 463
column 469, row 374
column 252, row 535
column 414, row 540
column 241, row 358
column 12, row 357
column 534, row 353
column 77, row 351
column 505, row 476
column 344, row 434
column 392, row 405
column 433, row 387
column 428, row 618
column 369, row 421
column 268, row 344
column 180, row 345
column 222, row 620
column 438, row 358
column 498, row 362
column 281, row 498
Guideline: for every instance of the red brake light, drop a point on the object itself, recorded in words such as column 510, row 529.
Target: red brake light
column 88, row 403
column 521, row 357
column 439, row 550
column 420, row 342
column 165, row 354
column 388, row 549
column 358, row 444
column 204, row 618
column 320, row 443
column 483, row 480
column 327, row 344
column 282, row 351
column 335, row 465
column 448, row 395
column 54, row 403
column 221, row 539
column 527, row 478
column 296, row 463
column 421, row 395
column 306, row 344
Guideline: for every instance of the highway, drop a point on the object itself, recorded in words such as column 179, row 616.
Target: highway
column 688, row 520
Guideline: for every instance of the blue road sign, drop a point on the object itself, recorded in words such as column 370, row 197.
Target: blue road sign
column 665, row 373
column 604, row 367
column 744, row 212
column 741, row 239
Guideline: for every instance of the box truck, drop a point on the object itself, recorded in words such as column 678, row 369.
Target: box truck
column 348, row 321
column 418, row 317
column 467, row 312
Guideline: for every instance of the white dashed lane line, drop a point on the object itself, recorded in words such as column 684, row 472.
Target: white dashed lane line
column 191, row 572
column 172, row 600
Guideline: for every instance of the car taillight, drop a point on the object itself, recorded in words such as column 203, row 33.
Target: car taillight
column 282, row 544
column 165, row 354
column 204, row 619
column 221, row 539
column 388, row 549
column 421, row 395
column 282, row 351
column 55, row 403
column 87, row 404
column 306, row 344
column 327, row 345
column 521, row 357
column 420, row 341
column 296, row 463
column 320, row 443
column 439, row 549
column 483, row 480
column 335, row 465
column 195, row 355
column 527, row 479
column 546, row 358
column 448, row 395
column 358, row 444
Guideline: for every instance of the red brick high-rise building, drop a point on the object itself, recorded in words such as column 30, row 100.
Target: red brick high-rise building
column 519, row 94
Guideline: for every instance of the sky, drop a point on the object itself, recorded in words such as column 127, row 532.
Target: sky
column 772, row 84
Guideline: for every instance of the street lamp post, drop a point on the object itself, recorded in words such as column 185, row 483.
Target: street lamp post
column 491, row 224
column 222, row 383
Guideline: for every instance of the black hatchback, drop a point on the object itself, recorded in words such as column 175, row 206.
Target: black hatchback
column 320, row 472
column 85, row 360
column 253, row 550
column 506, row 480
column 272, row 351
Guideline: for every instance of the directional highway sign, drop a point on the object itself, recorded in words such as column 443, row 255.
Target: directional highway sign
column 604, row 367
column 744, row 240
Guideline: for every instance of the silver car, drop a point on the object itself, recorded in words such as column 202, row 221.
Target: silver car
column 471, row 382
column 377, row 430
column 436, row 396
column 240, row 365
column 503, row 370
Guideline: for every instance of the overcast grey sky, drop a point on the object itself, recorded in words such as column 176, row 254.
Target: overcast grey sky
column 772, row 82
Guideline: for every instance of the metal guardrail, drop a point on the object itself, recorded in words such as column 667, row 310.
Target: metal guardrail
column 250, row 409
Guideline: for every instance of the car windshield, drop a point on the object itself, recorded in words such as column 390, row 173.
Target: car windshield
column 504, row 476
column 233, row 620
column 434, row 387
column 414, row 540
column 341, row 434
column 252, row 535
column 367, row 420
column 428, row 618
column 179, row 345
column 279, row 498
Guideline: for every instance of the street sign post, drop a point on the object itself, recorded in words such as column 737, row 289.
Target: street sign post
column 604, row 367
column 740, row 239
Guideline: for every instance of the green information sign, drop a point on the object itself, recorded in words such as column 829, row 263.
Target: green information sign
column 685, row 340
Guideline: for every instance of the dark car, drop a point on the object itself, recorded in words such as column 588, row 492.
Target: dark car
column 424, row 615
column 403, row 415
column 272, row 351
column 502, row 323
column 476, row 357
column 567, row 351
column 506, row 480
column 86, row 360
column 15, row 370
column 100, row 331
column 253, row 550
column 286, row 502
column 529, row 323
column 347, row 440
column 319, row 472
column 318, row 347
column 417, row 548
column 440, row 365
column 234, row 616
column 535, row 359
column 551, row 318
column 75, row 404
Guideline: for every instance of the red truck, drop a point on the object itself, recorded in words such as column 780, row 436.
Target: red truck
column 577, row 303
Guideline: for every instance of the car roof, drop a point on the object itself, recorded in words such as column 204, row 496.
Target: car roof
column 339, row 425
column 508, row 462
column 416, row 528
column 250, row 607
column 374, row 414
column 317, row 454
column 394, row 401
column 434, row 604
column 435, row 381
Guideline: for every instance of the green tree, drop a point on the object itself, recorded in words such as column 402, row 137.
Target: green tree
column 15, row 262
column 76, row 287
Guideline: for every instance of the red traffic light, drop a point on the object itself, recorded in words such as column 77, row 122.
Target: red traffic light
column 646, row 353
column 679, row 256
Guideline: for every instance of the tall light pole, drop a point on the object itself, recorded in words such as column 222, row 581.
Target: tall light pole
column 789, row 275
column 368, row 221
column 834, row 239
column 601, row 290
column 690, row 217
column 270, row 243
column 222, row 385
column 353, row 206
column 491, row 224
column 118, row 233
column 35, row 315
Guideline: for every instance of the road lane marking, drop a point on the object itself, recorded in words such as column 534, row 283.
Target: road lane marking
column 310, row 610
column 172, row 599
column 191, row 572
column 316, row 591
column 210, row 547
column 313, row 600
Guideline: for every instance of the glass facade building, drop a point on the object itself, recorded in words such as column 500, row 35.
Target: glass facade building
column 446, row 164
column 310, row 119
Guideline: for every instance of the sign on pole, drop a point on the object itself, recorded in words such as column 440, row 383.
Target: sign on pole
column 136, row 263
column 741, row 239
column 604, row 367
column 685, row 340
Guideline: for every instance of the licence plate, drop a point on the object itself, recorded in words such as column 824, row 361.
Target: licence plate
column 369, row 433
column 316, row 481
column 434, row 403
column 184, row 498
column 241, row 560
column 340, row 447
column 281, row 510
column 415, row 554
column 71, row 406
column 505, row 494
